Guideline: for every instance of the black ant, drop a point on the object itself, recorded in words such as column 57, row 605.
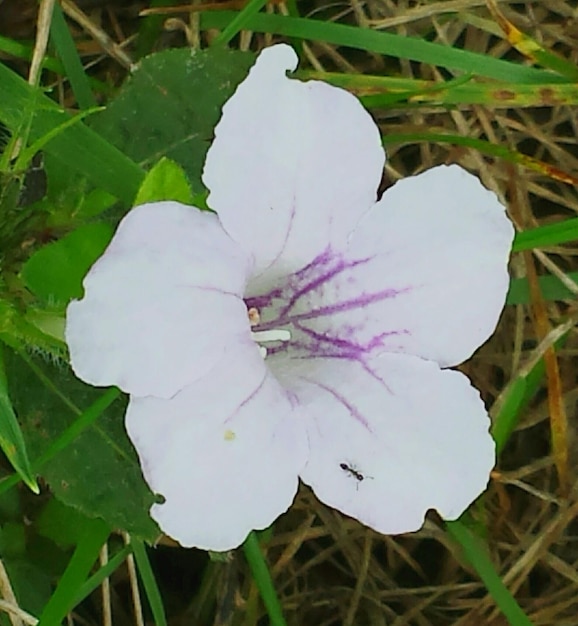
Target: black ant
column 353, row 471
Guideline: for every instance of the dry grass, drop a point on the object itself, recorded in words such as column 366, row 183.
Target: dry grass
column 359, row 577
column 329, row 570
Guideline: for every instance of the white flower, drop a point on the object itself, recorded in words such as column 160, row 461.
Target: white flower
column 374, row 300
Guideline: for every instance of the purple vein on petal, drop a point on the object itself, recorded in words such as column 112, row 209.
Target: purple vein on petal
column 249, row 397
column 348, row 305
column 320, row 260
column 209, row 289
column 317, row 282
column 263, row 301
column 352, row 410
column 345, row 344
column 287, row 235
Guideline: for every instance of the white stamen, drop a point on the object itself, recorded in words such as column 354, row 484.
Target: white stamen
column 262, row 336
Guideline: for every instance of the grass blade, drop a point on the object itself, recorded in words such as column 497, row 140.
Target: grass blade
column 388, row 44
column 485, row 147
column 550, row 286
column 239, row 22
column 476, row 553
column 24, row 51
column 87, row 418
column 104, row 572
column 150, row 28
column 263, row 579
column 530, row 48
column 64, row 44
column 550, row 235
column 382, row 91
column 86, row 553
column 149, row 582
column 11, row 438
column 78, row 147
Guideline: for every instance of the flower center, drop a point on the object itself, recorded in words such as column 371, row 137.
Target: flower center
column 265, row 336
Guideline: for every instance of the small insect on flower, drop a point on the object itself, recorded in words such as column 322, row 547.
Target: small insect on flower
column 351, row 470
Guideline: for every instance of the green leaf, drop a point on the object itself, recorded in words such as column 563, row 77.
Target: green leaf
column 165, row 181
column 11, row 439
column 170, row 105
column 12, row 540
column 70, row 200
column 32, row 585
column 60, row 523
column 55, row 272
column 95, row 470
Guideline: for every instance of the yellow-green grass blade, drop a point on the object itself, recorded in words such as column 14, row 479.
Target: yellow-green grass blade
column 380, row 91
column 530, row 48
column 485, row 147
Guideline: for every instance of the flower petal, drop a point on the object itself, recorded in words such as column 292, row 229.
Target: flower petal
column 393, row 438
column 293, row 165
column 425, row 274
column 161, row 304
column 225, row 452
